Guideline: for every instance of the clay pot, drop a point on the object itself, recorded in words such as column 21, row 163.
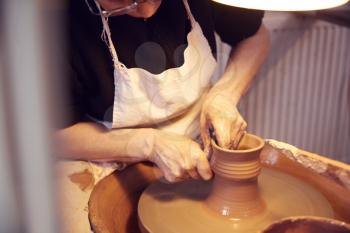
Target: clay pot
column 308, row 225
column 235, row 190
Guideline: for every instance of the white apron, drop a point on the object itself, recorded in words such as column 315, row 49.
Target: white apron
column 169, row 101
column 157, row 100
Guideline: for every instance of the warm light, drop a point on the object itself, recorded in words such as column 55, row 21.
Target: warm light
column 284, row 5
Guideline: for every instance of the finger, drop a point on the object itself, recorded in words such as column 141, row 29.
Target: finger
column 239, row 138
column 171, row 178
column 180, row 174
column 222, row 132
column 235, row 131
column 185, row 176
column 204, row 131
column 203, row 167
column 172, row 172
column 193, row 174
column 191, row 160
column 190, row 168
column 239, row 135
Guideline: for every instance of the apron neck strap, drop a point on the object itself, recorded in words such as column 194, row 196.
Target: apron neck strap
column 107, row 38
column 189, row 13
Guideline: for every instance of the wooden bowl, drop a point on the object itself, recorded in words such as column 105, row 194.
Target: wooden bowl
column 113, row 202
column 308, row 225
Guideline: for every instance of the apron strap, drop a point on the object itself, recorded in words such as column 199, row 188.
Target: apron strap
column 189, row 13
column 107, row 38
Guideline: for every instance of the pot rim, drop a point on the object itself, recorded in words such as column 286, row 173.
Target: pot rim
column 259, row 147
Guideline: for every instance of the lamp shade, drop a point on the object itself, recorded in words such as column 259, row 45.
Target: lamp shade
column 284, row 5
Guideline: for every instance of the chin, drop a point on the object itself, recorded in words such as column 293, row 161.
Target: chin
column 147, row 10
column 142, row 14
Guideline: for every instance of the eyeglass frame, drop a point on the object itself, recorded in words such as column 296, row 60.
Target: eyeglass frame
column 115, row 11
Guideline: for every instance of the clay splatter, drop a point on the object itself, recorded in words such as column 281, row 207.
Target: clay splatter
column 85, row 180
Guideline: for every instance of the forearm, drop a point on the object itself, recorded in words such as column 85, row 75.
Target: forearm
column 244, row 62
column 90, row 141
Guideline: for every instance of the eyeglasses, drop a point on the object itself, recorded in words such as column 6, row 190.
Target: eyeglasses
column 94, row 9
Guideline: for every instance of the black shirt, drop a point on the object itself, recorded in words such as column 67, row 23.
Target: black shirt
column 154, row 44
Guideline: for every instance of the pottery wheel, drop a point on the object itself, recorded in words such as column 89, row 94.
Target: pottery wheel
column 180, row 208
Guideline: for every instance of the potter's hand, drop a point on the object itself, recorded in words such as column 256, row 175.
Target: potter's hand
column 220, row 114
column 179, row 157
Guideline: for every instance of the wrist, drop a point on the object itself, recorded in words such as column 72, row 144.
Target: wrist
column 228, row 94
column 148, row 142
column 141, row 144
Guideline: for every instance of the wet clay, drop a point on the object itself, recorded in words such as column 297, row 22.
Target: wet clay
column 236, row 200
column 84, row 180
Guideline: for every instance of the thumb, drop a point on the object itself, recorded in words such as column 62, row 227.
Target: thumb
column 205, row 135
column 222, row 133
column 203, row 167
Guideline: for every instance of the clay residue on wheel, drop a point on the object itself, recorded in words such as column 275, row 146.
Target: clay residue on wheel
column 335, row 170
column 84, row 180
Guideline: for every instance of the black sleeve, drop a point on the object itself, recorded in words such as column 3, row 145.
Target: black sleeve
column 74, row 99
column 235, row 24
